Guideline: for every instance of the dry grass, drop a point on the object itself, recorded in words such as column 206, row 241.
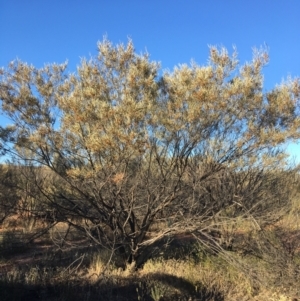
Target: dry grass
column 207, row 275
column 269, row 271
column 213, row 274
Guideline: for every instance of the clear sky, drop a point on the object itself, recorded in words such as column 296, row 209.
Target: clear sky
column 172, row 31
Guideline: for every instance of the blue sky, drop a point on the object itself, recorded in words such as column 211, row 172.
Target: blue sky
column 172, row 31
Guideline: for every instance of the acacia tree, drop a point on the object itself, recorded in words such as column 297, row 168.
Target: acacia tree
column 135, row 156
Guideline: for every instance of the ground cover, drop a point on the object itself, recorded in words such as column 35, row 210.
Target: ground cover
column 257, row 266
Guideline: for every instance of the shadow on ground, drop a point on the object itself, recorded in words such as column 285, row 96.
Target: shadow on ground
column 155, row 287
